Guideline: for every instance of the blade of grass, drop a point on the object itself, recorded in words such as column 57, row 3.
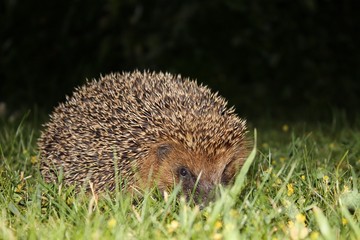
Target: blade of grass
column 351, row 221
column 323, row 224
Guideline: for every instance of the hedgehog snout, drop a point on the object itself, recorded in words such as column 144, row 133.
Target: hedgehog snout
column 206, row 192
column 201, row 192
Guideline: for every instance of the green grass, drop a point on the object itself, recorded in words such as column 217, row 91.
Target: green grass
column 302, row 184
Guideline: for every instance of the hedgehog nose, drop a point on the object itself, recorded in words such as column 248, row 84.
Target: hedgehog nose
column 206, row 194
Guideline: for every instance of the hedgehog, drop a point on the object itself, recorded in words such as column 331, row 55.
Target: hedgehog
column 144, row 129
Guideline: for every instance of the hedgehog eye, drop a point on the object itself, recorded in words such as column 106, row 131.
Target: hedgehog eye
column 183, row 172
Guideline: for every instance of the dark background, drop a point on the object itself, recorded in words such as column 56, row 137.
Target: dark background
column 284, row 59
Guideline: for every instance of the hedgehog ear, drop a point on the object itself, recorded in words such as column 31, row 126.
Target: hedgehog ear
column 163, row 151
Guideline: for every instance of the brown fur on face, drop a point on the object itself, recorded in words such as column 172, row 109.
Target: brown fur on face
column 168, row 161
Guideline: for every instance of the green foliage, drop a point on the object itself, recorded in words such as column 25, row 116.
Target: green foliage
column 302, row 184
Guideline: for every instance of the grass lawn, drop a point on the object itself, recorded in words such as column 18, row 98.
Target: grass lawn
column 303, row 183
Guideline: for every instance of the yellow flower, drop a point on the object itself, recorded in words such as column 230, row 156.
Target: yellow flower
column 346, row 189
column 285, row 128
column 33, row 160
column 290, row 189
column 70, row 200
column 282, row 159
column 326, row 179
column 111, row 223
column 19, row 187
column 300, row 218
column 344, row 221
column 314, row 235
column 303, row 177
column 298, row 230
column 217, row 236
column 173, row 226
column 218, row 225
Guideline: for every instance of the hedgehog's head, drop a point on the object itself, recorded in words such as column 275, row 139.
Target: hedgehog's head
column 198, row 173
